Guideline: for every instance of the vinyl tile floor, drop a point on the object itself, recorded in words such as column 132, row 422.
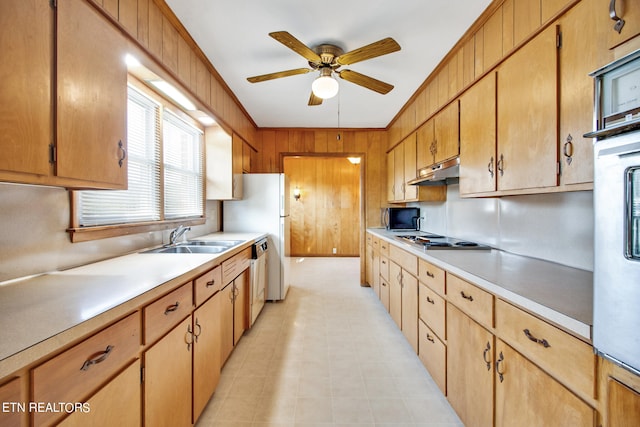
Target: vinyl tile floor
column 329, row 355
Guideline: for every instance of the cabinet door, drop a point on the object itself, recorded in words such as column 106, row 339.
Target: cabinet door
column 226, row 321
column 206, row 353
column 623, row 404
column 240, row 305
column 11, row 392
column 115, row 404
column 545, row 402
column 410, row 309
column 26, row 29
column 91, row 97
column 581, row 52
column 398, row 173
column 395, row 293
column 410, row 171
column 236, row 159
column 424, row 145
column 167, row 390
column 478, row 137
column 446, row 133
column 527, row 115
column 391, row 177
column 469, row 369
column 384, row 293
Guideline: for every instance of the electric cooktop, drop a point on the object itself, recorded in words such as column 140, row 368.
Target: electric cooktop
column 431, row 241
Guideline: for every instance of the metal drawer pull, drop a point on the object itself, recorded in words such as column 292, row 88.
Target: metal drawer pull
column 430, row 301
column 430, row 338
column 614, row 15
column 188, row 334
column 102, row 356
column 500, row 374
column 484, row 356
column 465, row 296
column 171, row 308
column 124, row 153
column 430, row 274
column 195, row 336
column 490, row 167
column 211, row 283
column 542, row 342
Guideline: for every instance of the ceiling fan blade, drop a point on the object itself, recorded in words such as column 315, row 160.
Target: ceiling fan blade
column 279, row 74
column 296, row 45
column 314, row 100
column 379, row 48
column 366, row 81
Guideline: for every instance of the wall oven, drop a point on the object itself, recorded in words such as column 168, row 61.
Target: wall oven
column 617, row 213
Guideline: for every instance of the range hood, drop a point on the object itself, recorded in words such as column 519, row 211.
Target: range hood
column 443, row 173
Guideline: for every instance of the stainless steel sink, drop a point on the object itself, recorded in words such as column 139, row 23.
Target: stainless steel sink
column 197, row 247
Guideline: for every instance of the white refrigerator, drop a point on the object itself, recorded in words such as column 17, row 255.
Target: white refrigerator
column 265, row 208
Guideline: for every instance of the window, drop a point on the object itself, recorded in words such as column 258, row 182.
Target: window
column 165, row 174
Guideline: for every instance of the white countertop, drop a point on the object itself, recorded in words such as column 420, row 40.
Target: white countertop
column 563, row 295
column 38, row 308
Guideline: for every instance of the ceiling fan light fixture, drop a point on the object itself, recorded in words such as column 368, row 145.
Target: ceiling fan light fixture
column 325, row 86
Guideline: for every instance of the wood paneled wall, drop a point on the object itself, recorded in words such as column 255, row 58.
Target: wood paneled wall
column 327, row 215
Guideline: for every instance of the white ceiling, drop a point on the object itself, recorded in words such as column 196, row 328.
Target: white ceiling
column 234, row 36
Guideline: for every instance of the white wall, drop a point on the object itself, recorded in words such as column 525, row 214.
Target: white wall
column 557, row 227
column 33, row 237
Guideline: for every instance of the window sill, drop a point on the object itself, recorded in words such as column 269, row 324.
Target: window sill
column 85, row 234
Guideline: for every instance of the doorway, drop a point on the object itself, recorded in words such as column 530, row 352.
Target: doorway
column 326, row 214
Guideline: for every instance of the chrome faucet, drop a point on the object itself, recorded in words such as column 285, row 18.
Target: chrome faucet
column 177, row 233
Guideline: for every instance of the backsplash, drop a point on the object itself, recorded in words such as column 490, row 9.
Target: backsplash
column 34, row 240
column 556, row 227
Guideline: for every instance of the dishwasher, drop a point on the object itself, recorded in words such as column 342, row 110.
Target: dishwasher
column 259, row 254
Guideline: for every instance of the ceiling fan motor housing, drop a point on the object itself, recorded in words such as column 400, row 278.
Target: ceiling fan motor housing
column 328, row 53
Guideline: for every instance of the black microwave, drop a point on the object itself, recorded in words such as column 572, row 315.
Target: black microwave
column 402, row 218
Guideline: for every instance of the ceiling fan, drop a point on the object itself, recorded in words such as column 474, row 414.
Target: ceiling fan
column 327, row 59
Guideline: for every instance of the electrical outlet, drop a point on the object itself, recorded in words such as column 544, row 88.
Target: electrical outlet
column 335, row 250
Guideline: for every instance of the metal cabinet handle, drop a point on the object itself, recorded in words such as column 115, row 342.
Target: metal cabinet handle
column 430, row 301
column 465, row 296
column 490, row 167
column 542, row 342
column 171, row 308
column 196, row 335
column 211, row 283
column 500, row 374
column 484, row 355
column 614, row 15
column 430, row 274
column 567, row 149
column 430, row 338
column 500, row 165
column 99, row 358
column 188, row 337
column 124, row 153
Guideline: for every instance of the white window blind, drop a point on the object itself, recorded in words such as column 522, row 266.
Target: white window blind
column 183, row 168
column 141, row 202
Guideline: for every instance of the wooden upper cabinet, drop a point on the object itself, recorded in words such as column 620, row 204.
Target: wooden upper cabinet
column 629, row 11
column 424, row 142
column 398, row 173
column 526, row 19
column 446, row 132
column 409, row 144
column 492, row 51
column 91, row 98
column 527, row 115
column 581, row 52
column 478, row 137
column 26, row 29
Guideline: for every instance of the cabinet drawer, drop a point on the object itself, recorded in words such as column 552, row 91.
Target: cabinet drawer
column 384, row 268
column 475, row 302
column 369, row 239
column 165, row 313
column 385, row 293
column 432, row 310
column 565, row 357
column 407, row 261
column 432, row 276
column 235, row 265
column 73, row 375
column 433, row 354
column 375, row 242
column 384, row 247
column 207, row 284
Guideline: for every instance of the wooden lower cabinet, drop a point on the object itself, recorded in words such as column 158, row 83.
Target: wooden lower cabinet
column 410, row 309
column 395, row 293
column 527, row 396
column 234, row 303
column 11, row 392
column 469, row 369
column 433, row 355
column 167, row 378
column 115, row 404
column 206, row 353
column 226, row 321
column 623, row 405
column 240, row 305
column 384, row 293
